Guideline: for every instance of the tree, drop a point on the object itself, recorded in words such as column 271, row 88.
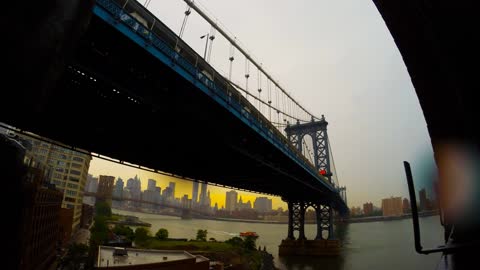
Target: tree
column 141, row 234
column 125, row 231
column 250, row 242
column 202, row 235
column 76, row 255
column 162, row 234
column 235, row 241
column 99, row 231
column 98, row 236
column 103, row 209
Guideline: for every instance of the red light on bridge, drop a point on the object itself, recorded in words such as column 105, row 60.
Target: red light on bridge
column 323, row 172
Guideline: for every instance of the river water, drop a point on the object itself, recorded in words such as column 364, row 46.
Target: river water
column 374, row 245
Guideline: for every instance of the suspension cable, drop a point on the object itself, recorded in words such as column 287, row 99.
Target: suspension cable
column 263, row 102
column 247, row 75
column 259, row 82
column 184, row 24
column 213, row 31
column 333, row 162
column 247, row 55
column 231, row 58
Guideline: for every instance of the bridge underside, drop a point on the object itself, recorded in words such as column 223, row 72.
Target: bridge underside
column 172, row 126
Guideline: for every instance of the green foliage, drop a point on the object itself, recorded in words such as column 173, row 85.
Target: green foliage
column 235, row 241
column 202, row 235
column 99, row 231
column 98, row 236
column 212, row 239
column 154, row 243
column 249, row 243
column 141, row 234
column 103, row 209
column 125, row 231
column 162, row 234
column 76, row 255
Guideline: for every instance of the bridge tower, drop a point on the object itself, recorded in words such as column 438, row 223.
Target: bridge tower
column 317, row 130
column 324, row 242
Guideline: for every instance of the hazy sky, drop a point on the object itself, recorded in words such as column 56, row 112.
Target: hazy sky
column 338, row 59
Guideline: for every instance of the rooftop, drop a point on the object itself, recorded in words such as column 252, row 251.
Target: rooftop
column 142, row 256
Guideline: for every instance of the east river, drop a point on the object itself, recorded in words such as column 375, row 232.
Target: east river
column 373, row 245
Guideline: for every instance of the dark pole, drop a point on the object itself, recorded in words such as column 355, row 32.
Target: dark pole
column 206, row 44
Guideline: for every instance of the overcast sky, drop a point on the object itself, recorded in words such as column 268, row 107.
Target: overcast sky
column 336, row 58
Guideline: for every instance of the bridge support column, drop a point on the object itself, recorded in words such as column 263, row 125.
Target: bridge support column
column 322, row 245
column 331, row 236
column 296, row 220
column 290, row 222
column 324, row 221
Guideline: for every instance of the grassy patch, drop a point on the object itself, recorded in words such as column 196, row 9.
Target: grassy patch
column 153, row 243
column 115, row 217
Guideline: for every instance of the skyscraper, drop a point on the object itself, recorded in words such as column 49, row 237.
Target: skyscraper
column 368, row 209
column 118, row 189
column 91, row 184
column 105, row 188
column 195, row 193
column 171, row 185
column 406, row 206
column 151, row 184
column 231, row 200
column 203, row 194
column 70, row 171
column 392, row 206
column 423, row 199
column 208, row 201
column 262, row 204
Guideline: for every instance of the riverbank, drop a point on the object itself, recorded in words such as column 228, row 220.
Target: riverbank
column 127, row 221
column 382, row 218
column 350, row 220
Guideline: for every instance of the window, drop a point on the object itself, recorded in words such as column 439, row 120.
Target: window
column 62, row 156
column 76, row 165
column 75, row 172
column 71, row 193
column 61, row 163
column 57, row 175
column 78, row 159
column 74, row 186
column 74, row 179
column 68, row 199
column 69, row 206
column 59, row 169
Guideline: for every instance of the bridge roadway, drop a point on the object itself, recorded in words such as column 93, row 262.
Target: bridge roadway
column 125, row 93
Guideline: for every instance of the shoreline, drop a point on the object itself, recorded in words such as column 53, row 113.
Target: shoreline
column 351, row 220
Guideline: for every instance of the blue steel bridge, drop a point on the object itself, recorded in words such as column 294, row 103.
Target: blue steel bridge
column 134, row 91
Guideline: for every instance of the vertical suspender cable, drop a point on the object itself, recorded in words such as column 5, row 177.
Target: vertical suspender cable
column 247, row 75
column 269, row 94
column 259, row 81
column 213, row 31
column 231, row 58
column 182, row 29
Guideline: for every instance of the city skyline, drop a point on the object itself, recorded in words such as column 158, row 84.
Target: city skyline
column 217, row 194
